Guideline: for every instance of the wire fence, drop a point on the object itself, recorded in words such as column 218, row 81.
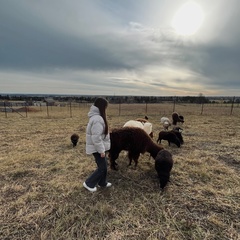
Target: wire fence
column 74, row 109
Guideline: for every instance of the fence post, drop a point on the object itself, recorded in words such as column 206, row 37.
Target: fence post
column 174, row 102
column 70, row 109
column 47, row 110
column 202, row 109
column 5, row 109
column 26, row 108
column 146, row 109
column 232, row 105
column 119, row 109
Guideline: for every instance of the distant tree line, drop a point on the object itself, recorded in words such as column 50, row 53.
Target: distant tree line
column 200, row 99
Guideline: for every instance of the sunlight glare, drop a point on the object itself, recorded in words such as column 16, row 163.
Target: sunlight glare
column 188, row 19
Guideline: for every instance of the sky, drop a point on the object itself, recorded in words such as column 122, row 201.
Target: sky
column 120, row 47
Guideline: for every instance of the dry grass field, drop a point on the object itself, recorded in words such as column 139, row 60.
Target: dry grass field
column 42, row 197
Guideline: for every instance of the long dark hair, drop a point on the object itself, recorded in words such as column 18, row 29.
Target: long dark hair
column 101, row 104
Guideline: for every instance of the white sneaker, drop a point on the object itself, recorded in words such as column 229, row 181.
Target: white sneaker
column 108, row 185
column 89, row 189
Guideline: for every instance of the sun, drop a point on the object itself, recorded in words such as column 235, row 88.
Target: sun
column 188, row 19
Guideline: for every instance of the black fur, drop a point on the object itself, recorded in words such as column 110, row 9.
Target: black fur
column 179, row 129
column 163, row 166
column 179, row 135
column 135, row 141
column 169, row 136
column 74, row 139
column 177, row 118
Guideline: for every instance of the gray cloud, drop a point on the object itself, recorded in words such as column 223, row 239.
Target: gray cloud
column 78, row 46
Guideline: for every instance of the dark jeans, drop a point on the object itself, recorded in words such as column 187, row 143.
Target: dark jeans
column 99, row 176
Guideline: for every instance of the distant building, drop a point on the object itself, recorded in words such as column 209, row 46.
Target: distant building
column 12, row 103
column 39, row 103
column 6, row 109
column 49, row 101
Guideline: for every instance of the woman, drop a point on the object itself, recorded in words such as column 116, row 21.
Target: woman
column 97, row 143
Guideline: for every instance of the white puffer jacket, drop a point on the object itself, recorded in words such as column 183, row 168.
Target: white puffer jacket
column 96, row 141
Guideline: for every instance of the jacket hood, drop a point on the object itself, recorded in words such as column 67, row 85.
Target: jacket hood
column 93, row 111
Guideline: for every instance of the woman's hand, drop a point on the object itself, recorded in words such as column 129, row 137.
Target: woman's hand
column 103, row 155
